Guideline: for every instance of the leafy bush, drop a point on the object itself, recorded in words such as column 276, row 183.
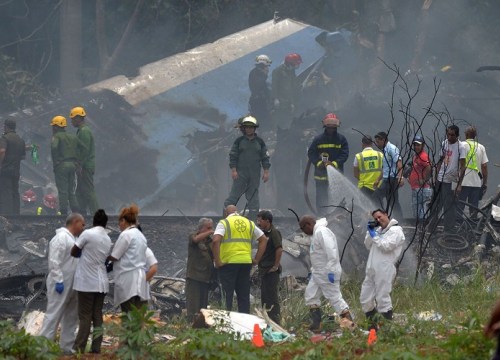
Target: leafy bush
column 17, row 344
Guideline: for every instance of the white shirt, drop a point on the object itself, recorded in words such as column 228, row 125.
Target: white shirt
column 221, row 230
column 451, row 154
column 150, row 261
column 91, row 275
column 471, row 177
column 129, row 274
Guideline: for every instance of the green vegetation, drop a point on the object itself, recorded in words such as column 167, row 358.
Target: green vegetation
column 16, row 344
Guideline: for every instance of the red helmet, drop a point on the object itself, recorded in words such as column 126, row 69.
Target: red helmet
column 293, row 59
column 50, row 201
column 331, row 120
column 29, row 196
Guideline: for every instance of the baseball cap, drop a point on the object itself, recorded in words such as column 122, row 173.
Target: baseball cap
column 418, row 139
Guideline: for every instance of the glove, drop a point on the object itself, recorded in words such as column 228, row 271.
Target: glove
column 60, row 287
column 109, row 265
column 308, row 276
column 335, row 165
column 372, row 231
column 79, row 253
column 331, row 277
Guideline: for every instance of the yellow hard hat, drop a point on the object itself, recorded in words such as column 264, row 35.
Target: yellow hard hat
column 59, row 121
column 77, row 111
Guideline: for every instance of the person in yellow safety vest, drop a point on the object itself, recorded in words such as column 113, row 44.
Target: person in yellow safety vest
column 232, row 250
column 474, row 183
column 367, row 167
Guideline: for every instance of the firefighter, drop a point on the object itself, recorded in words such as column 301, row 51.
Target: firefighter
column 64, row 148
column 327, row 149
column 86, row 162
column 367, row 167
column 284, row 90
column 12, row 151
column 248, row 154
column 49, row 206
column 259, row 104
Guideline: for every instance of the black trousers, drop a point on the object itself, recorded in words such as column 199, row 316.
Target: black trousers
column 236, row 278
column 9, row 195
column 135, row 300
column 269, row 293
column 89, row 311
column 196, row 297
column 389, row 189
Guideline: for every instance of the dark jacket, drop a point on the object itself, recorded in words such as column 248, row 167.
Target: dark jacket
column 284, row 84
column 257, row 82
column 335, row 146
column 248, row 155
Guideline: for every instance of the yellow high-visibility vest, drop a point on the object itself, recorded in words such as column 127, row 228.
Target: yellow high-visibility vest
column 370, row 167
column 236, row 245
column 470, row 158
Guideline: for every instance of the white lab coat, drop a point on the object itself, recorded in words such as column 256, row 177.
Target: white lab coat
column 61, row 308
column 129, row 274
column 150, row 261
column 325, row 259
column 385, row 250
column 91, row 274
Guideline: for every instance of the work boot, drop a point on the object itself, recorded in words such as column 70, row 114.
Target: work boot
column 370, row 316
column 387, row 315
column 315, row 315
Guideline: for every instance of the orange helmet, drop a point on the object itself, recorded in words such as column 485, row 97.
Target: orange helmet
column 29, row 196
column 331, row 120
column 50, row 201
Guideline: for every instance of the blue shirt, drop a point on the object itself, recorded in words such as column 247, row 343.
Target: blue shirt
column 391, row 158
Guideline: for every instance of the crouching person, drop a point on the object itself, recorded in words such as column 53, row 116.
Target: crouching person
column 384, row 238
column 325, row 271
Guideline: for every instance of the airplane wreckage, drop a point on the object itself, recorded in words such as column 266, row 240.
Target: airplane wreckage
column 174, row 121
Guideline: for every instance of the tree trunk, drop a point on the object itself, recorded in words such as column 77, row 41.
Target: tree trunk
column 71, row 44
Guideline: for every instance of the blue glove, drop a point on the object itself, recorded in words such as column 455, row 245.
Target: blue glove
column 372, row 231
column 309, row 276
column 78, row 253
column 59, row 287
column 331, row 277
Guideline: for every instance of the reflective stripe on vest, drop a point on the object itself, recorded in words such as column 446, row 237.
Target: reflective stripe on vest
column 236, row 245
column 370, row 166
column 329, row 146
column 471, row 159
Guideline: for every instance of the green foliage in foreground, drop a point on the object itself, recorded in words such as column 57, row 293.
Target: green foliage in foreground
column 16, row 344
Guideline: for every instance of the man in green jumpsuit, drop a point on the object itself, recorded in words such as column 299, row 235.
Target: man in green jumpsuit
column 64, row 157
column 85, row 192
column 248, row 154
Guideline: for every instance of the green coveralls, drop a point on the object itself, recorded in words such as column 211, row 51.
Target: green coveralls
column 247, row 156
column 85, row 185
column 64, row 156
column 284, row 88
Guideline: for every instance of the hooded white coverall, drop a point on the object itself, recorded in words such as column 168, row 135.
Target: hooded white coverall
column 385, row 249
column 325, row 259
column 61, row 308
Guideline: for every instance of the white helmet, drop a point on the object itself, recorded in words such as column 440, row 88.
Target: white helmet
column 263, row 59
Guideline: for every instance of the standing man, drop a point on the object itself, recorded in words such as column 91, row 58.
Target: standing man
column 384, row 239
column 12, row 151
column 420, row 175
column 269, row 266
column 61, row 298
column 86, row 162
column 325, row 271
column 284, row 90
column 367, row 167
column 232, row 249
column 327, row 149
column 64, row 149
column 450, row 169
column 475, row 180
column 259, row 104
column 248, row 154
column 391, row 178
column 200, row 267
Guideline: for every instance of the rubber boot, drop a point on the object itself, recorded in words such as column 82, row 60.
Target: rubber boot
column 370, row 315
column 315, row 315
column 387, row 315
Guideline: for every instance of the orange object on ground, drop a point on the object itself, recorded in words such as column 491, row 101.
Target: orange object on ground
column 257, row 339
column 372, row 337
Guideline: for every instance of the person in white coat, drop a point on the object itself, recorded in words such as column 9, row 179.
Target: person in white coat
column 91, row 281
column 129, row 262
column 384, row 238
column 325, row 270
column 61, row 298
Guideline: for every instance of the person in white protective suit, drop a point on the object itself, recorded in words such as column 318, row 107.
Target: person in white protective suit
column 61, row 298
column 325, row 271
column 384, row 238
